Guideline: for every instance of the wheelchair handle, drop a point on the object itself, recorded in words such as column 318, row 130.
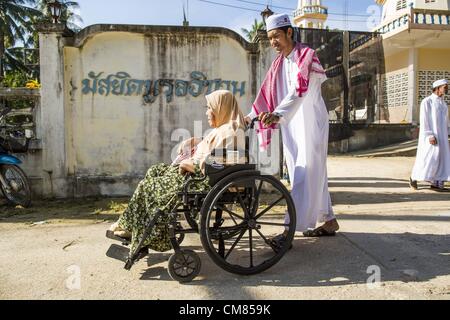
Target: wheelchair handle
column 252, row 124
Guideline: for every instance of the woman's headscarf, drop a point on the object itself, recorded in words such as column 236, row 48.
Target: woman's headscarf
column 230, row 126
column 225, row 108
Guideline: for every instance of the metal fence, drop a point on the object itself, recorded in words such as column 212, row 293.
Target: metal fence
column 354, row 63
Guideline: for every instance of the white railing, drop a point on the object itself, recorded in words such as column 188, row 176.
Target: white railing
column 432, row 17
column 417, row 18
column 310, row 10
column 392, row 25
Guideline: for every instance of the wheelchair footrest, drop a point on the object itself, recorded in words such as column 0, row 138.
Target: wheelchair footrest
column 118, row 252
column 110, row 235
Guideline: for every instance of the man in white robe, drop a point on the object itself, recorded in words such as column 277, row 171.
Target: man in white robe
column 433, row 152
column 304, row 126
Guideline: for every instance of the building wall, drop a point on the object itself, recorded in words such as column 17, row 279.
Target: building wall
column 395, row 87
column 433, row 64
column 122, row 135
column 434, row 59
column 436, row 5
column 396, row 62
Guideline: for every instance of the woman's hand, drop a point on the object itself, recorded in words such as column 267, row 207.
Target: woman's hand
column 187, row 145
column 186, row 166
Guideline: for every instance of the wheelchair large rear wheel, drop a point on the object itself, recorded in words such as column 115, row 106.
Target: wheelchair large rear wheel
column 240, row 216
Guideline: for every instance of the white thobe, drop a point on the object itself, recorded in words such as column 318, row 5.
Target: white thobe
column 304, row 128
column 433, row 162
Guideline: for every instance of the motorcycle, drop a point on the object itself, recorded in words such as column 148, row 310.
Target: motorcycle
column 13, row 181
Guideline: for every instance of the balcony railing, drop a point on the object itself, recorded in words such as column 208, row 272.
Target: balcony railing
column 418, row 18
column 363, row 39
column 311, row 10
column 434, row 17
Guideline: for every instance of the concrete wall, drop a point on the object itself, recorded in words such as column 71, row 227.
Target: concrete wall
column 128, row 95
column 372, row 136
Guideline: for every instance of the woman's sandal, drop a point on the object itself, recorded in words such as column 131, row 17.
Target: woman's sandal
column 319, row 232
column 119, row 232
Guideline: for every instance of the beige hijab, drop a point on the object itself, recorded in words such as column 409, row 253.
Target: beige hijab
column 229, row 133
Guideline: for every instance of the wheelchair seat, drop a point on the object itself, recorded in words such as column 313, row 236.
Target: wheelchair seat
column 218, row 171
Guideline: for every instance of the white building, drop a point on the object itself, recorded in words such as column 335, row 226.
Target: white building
column 416, row 43
column 310, row 14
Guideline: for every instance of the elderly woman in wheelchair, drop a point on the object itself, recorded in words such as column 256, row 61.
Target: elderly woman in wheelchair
column 232, row 205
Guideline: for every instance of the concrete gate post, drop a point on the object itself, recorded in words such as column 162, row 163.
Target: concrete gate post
column 52, row 38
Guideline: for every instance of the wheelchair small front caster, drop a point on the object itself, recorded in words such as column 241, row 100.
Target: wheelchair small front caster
column 184, row 265
column 142, row 253
column 128, row 264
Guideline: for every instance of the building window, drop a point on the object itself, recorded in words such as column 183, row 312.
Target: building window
column 426, row 79
column 429, row 1
column 395, row 89
column 401, row 4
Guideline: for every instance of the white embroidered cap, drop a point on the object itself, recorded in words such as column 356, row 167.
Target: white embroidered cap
column 439, row 83
column 277, row 21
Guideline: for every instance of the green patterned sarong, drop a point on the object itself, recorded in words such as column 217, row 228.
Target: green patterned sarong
column 158, row 189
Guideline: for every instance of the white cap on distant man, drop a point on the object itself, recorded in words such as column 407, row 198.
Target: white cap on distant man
column 439, row 83
column 276, row 21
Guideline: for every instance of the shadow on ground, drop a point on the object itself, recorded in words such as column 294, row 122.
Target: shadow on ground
column 107, row 209
column 329, row 261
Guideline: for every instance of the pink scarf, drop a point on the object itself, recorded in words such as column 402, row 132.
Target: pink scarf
column 267, row 100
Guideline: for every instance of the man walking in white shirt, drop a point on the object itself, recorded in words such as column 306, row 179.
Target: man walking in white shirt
column 433, row 152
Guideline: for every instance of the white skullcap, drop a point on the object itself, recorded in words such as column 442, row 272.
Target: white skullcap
column 277, row 21
column 439, row 83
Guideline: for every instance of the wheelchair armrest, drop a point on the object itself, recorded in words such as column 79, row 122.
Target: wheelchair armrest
column 227, row 157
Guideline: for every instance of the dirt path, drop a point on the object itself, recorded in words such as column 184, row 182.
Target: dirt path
column 385, row 227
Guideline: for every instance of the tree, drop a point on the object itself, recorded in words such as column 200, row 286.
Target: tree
column 15, row 24
column 251, row 34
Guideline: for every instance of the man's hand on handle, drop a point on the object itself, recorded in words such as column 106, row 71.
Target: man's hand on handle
column 268, row 118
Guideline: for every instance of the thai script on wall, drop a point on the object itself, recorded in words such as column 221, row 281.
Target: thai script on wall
column 121, row 84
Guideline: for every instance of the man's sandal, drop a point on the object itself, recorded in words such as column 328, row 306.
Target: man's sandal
column 412, row 183
column 277, row 242
column 319, row 232
column 439, row 189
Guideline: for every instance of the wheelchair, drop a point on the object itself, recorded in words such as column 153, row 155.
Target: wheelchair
column 237, row 219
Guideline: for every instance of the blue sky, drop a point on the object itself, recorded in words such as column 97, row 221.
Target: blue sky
column 201, row 13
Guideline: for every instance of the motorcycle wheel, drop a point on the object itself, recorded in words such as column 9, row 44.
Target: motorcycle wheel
column 19, row 192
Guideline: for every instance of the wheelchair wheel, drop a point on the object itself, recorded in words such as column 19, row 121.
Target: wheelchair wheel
column 253, row 209
column 184, row 265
